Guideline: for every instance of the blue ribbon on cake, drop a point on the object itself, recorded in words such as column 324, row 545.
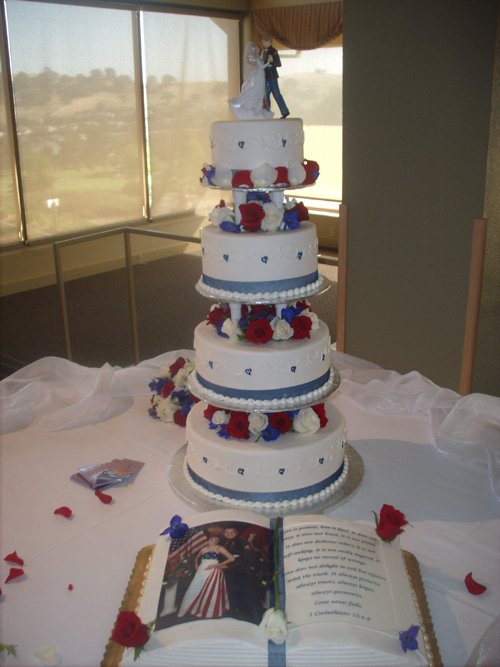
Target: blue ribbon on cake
column 260, row 286
column 276, row 653
column 265, row 394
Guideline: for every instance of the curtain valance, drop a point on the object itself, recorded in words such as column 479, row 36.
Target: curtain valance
column 300, row 27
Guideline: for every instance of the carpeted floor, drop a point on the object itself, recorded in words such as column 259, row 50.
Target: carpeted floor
column 168, row 309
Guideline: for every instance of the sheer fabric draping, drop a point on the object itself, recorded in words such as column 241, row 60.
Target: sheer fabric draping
column 54, row 394
column 300, row 27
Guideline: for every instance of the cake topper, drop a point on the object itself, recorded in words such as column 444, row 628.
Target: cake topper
column 271, row 59
column 250, row 103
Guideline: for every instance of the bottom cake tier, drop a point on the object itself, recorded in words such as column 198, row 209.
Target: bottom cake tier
column 293, row 468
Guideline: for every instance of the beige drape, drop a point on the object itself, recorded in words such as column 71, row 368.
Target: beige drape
column 300, row 27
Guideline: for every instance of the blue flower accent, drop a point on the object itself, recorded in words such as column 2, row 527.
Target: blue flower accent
column 264, row 259
column 152, row 413
column 269, row 434
column 241, row 144
column 209, row 173
column 222, row 432
column 291, row 220
column 289, row 313
column 228, row 226
column 185, row 400
column 248, row 371
column 218, row 327
column 157, row 385
column 408, row 638
column 259, row 196
column 176, row 528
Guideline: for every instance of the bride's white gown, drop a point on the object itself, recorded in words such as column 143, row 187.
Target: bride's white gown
column 206, row 596
column 249, row 104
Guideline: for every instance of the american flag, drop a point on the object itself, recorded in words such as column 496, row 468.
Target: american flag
column 187, row 545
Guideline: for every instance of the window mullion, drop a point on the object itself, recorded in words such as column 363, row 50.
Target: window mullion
column 142, row 114
column 12, row 123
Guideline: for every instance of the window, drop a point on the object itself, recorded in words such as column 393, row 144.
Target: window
column 82, row 129
column 311, row 83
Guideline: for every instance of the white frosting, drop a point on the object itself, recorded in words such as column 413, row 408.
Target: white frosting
column 252, row 143
column 292, row 461
column 253, row 263
column 245, row 370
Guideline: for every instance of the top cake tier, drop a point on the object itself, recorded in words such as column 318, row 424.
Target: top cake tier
column 259, row 154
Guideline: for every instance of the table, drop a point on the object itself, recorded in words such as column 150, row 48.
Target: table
column 453, row 512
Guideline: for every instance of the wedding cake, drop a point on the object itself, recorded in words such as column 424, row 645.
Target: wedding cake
column 264, row 432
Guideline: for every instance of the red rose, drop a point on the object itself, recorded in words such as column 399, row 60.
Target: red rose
column 176, row 366
column 252, row 215
column 208, row 413
column 390, row 523
column 282, row 176
column 180, row 418
column 301, row 211
column 319, row 409
column 217, row 315
column 129, row 630
column 242, row 179
column 312, row 172
column 301, row 326
column 237, row 426
column 302, row 305
column 259, row 331
column 280, row 421
column 167, row 388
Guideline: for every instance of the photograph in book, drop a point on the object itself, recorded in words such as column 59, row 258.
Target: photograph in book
column 216, row 570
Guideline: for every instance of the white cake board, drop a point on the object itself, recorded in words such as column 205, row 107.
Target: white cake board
column 202, row 502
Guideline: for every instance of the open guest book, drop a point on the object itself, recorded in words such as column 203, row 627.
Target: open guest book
column 347, row 596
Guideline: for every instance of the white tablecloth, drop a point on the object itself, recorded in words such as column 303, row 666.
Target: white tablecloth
column 393, row 422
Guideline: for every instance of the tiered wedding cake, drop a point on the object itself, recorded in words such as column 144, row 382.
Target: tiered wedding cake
column 262, row 357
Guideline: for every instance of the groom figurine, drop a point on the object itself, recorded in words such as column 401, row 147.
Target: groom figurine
column 271, row 60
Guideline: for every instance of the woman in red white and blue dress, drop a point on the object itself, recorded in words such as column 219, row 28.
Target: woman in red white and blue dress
column 207, row 595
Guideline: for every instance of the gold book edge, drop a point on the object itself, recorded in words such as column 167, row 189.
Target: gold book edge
column 113, row 653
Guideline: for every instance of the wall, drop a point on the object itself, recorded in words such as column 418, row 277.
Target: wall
column 417, row 95
column 487, row 369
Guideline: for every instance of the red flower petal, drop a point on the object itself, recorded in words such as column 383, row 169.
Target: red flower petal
column 104, row 497
column 64, row 511
column 473, row 586
column 70, row 587
column 14, row 558
column 14, row 573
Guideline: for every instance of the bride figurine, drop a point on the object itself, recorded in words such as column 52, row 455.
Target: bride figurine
column 250, row 103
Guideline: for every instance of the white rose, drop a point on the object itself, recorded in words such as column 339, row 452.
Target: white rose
column 273, row 625
column 307, row 421
column 257, row 422
column 281, row 329
column 220, row 417
column 296, row 173
column 263, row 176
column 223, row 177
column 221, row 214
column 165, row 408
column 231, row 329
column 272, row 219
column 313, row 317
column 181, row 377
